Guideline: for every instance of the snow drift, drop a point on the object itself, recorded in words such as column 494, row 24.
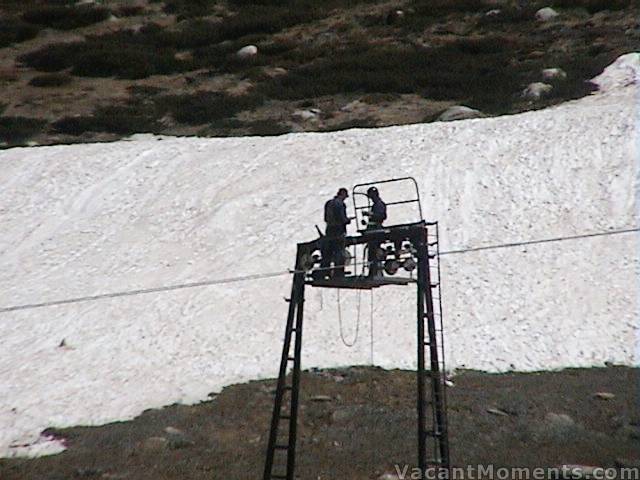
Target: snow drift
column 86, row 219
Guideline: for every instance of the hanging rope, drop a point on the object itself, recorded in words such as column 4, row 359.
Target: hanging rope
column 371, row 329
column 355, row 337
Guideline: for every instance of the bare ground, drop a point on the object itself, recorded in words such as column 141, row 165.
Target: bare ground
column 358, row 423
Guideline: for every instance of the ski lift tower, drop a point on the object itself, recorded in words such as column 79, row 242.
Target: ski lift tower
column 411, row 248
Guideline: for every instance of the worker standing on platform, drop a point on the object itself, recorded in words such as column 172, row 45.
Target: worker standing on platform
column 377, row 215
column 335, row 216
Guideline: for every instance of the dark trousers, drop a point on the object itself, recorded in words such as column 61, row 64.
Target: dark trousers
column 374, row 264
column 332, row 250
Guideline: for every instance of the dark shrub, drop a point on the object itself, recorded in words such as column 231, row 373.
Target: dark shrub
column 593, row 6
column 15, row 31
column 66, row 17
column 15, row 130
column 444, row 73
column 52, row 80
column 126, row 120
column 204, row 107
column 121, row 54
column 263, row 19
column 74, row 125
column 485, row 45
column 188, row 8
column 123, row 120
column 265, row 128
column 193, row 33
column 52, row 58
column 366, row 122
column 131, row 10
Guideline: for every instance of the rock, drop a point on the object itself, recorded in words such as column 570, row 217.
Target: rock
column 545, row 14
column 154, row 444
column 183, row 56
column 493, row 13
column 388, row 476
column 275, row 72
column 173, row 431
column 554, row 74
column 459, row 112
column 393, row 17
column 556, row 427
column 306, row 114
column 321, row 398
column 177, row 438
column 604, row 395
column 576, row 472
column 498, row 412
column 88, row 472
column 355, row 105
column 247, row 53
column 535, row 91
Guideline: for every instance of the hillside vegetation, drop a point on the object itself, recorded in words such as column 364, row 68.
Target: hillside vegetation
column 98, row 71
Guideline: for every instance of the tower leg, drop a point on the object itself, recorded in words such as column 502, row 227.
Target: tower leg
column 286, row 399
column 437, row 430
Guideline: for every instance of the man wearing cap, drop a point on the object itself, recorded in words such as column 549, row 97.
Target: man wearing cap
column 335, row 216
column 377, row 214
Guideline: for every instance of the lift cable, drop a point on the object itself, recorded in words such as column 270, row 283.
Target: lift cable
column 259, row 276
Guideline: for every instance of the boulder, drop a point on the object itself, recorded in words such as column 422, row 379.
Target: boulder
column 554, row 74
column 556, row 427
column 536, row 90
column 545, row 14
column 247, row 53
column 306, row 115
column 493, row 13
column 604, row 395
column 459, row 112
column 153, row 444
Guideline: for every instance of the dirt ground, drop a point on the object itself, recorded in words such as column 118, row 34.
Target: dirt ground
column 358, row 423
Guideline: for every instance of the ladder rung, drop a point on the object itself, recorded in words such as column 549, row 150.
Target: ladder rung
column 434, row 285
column 279, row 476
column 285, row 417
column 281, row 447
column 287, row 387
column 291, row 359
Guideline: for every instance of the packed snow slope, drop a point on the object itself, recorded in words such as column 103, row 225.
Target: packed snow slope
column 87, row 219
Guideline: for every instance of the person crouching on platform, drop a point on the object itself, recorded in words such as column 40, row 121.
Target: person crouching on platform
column 335, row 215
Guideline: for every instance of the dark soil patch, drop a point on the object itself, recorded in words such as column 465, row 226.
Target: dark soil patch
column 366, row 427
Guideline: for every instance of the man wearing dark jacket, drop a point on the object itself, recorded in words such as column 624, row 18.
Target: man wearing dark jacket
column 377, row 214
column 335, row 216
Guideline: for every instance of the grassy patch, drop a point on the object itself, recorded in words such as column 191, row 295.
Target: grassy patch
column 17, row 130
column 206, row 107
column 15, row 31
column 51, row 80
column 66, row 17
